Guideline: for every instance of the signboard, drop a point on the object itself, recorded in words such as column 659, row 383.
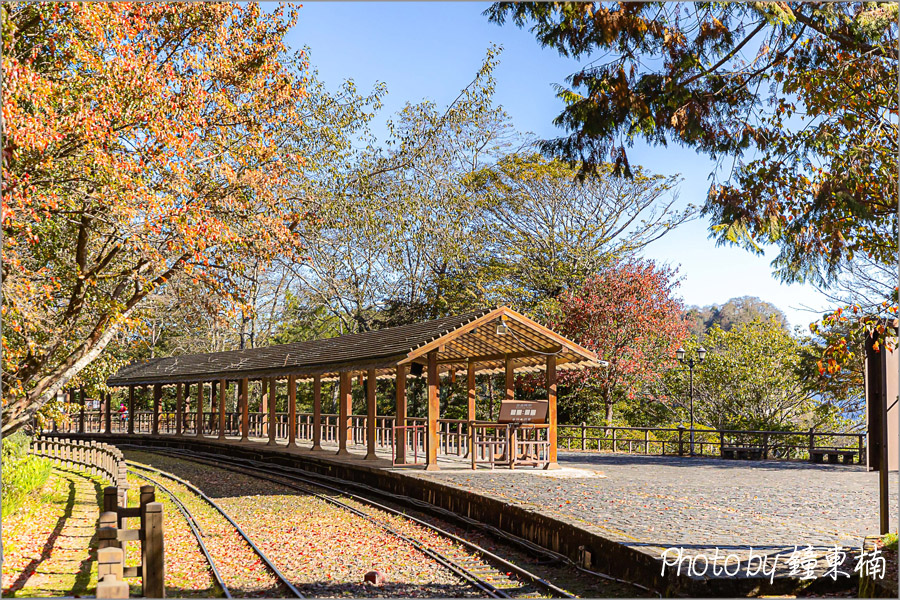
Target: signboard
column 882, row 410
column 523, row 411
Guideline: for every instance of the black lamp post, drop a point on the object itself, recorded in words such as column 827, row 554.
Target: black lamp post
column 701, row 354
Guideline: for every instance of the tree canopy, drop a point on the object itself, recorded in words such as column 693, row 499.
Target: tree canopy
column 143, row 142
column 797, row 103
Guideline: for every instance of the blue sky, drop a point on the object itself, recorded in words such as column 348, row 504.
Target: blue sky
column 429, row 50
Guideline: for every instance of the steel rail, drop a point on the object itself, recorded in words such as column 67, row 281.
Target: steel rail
column 195, row 529
column 491, row 557
column 221, row 511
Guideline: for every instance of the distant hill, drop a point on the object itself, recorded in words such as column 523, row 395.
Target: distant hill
column 733, row 312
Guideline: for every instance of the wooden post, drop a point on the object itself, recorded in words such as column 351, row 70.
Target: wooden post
column 370, row 415
column 108, row 412
column 433, row 413
column 223, row 387
column 81, row 412
column 292, row 411
column 510, row 380
column 551, row 412
column 245, row 409
column 400, row 420
column 345, row 407
column 199, row 426
column 130, row 409
column 470, row 384
column 157, row 396
column 213, row 405
column 273, row 386
column 153, row 564
column 179, row 407
column 317, row 413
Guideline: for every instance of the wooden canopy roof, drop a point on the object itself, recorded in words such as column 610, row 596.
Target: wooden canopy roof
column 457, row 340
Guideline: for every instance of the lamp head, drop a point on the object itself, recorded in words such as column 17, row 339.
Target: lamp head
column 701, row 353
column 502, row 328
column 679, row 354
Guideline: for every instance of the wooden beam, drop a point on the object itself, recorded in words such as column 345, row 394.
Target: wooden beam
column 292, row 411
column 490, row 357
column 434, row 409
column 370, row 415
column 130, row 409
column 551, row 411
column 345, row 407
column 317, row 413
column 223, row 388
column 179, row 408
column 245, row 409
column 157, row 397
column 400, row 418
column 273, row 387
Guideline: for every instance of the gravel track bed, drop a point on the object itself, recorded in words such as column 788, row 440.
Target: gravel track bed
column 187, row 573
column 325, row 551
column 241, row 568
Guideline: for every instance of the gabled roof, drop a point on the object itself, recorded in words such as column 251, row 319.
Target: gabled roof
column 457, row 339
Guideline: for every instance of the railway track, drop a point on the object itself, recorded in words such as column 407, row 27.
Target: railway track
column 505, row 580
column 294, row 592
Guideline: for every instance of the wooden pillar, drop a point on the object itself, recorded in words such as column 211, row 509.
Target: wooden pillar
column 213, row 405
column 400, row 439
column 551, row 411
column 470, row 384
column 317, row 413
column 292, row 411
column 179, row 407
column 130, row 409
column 345, row 406
column 510, row 380
column 263, row 399
column 81, row 412
column 223, row 387
column 108, row 412
column 245, row 409
column 273, row 386
column 200, row 408
column 157, row 396
column 370, row 415
column 433, row 410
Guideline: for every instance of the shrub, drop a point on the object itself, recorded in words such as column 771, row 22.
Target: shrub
column 22, row 474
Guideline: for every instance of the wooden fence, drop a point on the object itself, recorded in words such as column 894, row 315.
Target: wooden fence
column 113, row 536
column 96, row 458
column 453, row 435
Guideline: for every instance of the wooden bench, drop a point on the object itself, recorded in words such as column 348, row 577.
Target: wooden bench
column 743, row 452
column 817, row 455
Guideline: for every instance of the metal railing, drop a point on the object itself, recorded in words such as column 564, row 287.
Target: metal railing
column 783, row 445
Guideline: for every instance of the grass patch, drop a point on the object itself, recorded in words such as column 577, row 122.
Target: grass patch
column 22, row 474
column 890, row 541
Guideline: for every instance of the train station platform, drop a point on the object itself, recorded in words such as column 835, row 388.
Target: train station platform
column 621, row 514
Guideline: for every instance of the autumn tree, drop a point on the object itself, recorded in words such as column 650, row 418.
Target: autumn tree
column 629, row 315
column 143, row 141
column 797, row 101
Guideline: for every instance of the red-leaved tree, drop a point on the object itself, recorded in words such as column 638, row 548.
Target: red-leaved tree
column 627, row 314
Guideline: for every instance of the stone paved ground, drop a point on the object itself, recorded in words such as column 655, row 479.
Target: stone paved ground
column 653, row 502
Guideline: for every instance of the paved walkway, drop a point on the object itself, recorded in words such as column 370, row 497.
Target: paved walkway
column 652, row 503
